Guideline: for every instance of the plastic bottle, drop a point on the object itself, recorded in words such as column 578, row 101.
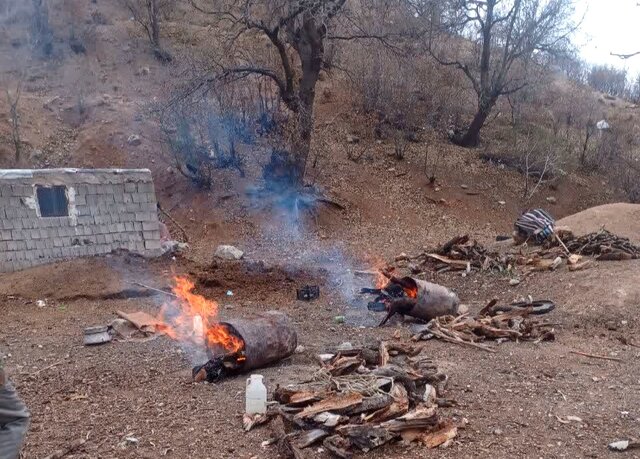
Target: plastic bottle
column 256, row 395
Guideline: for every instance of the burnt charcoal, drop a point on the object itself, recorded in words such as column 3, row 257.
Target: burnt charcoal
column 308, row 293
column 213, row 370
column 376, row 306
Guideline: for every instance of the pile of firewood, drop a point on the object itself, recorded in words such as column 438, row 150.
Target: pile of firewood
column 361, row 399
column 604, row 246
column 458, row 254
column 518, row 324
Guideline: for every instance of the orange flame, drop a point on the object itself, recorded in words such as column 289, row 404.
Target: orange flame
column 197, row 320
column 411, row 292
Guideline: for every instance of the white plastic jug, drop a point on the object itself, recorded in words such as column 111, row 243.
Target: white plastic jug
column 256, row 396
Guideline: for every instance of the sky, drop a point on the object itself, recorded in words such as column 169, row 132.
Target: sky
column 609, row 26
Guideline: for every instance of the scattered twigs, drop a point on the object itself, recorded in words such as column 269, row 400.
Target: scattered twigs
column 139, row 284
column 604, row 245
column 562, row 243
column 456, row 339
column 596, row 356
column 48, row 367
column 484, row 311
column 515, row 322
column 172, row 220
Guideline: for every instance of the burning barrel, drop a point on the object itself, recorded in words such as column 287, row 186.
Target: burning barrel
column 264, row 340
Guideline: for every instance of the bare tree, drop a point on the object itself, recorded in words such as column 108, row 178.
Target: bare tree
column 539, row 161
column 41, row 33
column 608, row 79
column 13, row 101
column 295, row 33
column 506, row 35
column 147, row 14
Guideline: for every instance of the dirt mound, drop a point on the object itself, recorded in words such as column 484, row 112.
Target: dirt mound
column 622, row 219
column 81, row 278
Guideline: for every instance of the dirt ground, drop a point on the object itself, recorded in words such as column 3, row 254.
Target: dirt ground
column 109, row 393
column 512, row 399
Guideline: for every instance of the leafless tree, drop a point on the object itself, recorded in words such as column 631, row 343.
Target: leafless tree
column 295, row 33
column 505, row 35
column 147, row 14
column 539, row 161
column 608, row 79
column 13, row 101
column 41, row 33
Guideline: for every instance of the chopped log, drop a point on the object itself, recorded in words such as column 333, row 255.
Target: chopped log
column 384, row 354
column 404, row 348
column 338, row 446
column 574, row 259
column 446, row 247
column 445, row 432
column 366, row 437
column 293, row 397
column 304, row 398
column 420, row 418
column 310, row 437
column 399, row 406
column 344, row 365
column 399, row 375
column 335, row 403
column 286, row 448
column 330, row 419
column 487, row 309
column 369, row 404
column 580, row 266
column 250, row 421
column 457, row 264
column 614, row 256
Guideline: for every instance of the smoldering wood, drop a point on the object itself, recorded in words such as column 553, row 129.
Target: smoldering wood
column 267, row 339
column 427, row 300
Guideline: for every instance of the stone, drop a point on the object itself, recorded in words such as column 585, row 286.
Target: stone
column 552, row 200
column 228, row 252
column 353, row 138
column 134, row 140
column 174, row 246
column 502, row 203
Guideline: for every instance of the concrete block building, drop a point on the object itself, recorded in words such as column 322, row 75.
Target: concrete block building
column 48, row 215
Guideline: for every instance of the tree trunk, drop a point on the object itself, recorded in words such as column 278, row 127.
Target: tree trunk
column 154, row 23
column 471, row 137
column 310, row 47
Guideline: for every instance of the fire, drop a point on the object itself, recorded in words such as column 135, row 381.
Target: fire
column 381, row 280
column 196, row 320
column 411, row 292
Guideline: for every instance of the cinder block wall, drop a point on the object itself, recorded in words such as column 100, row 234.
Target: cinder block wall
column 107, row 209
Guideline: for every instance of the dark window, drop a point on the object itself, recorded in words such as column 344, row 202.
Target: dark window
column 52, row 201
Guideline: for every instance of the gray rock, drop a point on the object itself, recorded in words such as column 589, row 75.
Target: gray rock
column 134, row 140
column 552, row 200
column 228, row 252
column 353, row 138
column 174, row 246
